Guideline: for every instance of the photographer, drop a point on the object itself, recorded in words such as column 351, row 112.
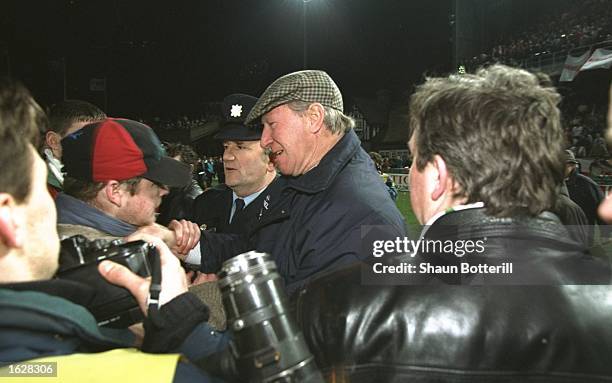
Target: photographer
column 43, row 318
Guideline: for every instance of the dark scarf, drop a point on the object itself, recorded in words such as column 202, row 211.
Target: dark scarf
column 76, row 212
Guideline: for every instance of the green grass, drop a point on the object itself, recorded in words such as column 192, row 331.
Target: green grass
column 403, row 204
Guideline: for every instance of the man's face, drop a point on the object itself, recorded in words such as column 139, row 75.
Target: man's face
column 140, row 208
column 246, row 166
column 41, row 242
column 569, row 168
column 291, row 143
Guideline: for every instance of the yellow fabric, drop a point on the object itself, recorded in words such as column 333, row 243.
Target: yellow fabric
column 120, row 365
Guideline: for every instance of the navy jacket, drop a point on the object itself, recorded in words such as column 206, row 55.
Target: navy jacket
column 313, row 223
column 586, row 193
column 214, row 206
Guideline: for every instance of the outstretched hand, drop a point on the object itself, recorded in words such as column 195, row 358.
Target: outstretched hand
column 187, row 235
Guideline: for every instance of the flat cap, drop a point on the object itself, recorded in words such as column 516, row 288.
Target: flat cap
column 235, row 109
column 570, row 157
column 306, row 85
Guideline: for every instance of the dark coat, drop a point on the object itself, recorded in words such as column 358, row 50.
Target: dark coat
column 586, row 193
column 444, row 333
column 313, row 223
column 213, row 208
column 178, row 204
column 47, row 318
column 573, row 217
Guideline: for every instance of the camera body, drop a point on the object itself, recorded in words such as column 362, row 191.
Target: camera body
column 112, row 306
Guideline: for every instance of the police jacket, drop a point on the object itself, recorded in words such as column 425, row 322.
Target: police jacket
column 213, row 208
column 435, row 332
column 46, row 318
column 313, row 223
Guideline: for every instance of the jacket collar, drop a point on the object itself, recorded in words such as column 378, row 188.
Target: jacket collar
column 463, row 224
column 320, row 177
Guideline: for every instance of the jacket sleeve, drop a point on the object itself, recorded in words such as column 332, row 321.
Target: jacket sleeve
column 216, row 248
column 181, row 326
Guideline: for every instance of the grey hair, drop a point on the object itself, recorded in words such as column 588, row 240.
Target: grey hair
column 335, row 121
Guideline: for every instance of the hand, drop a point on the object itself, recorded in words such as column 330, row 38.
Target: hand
column 173, row 282
column 159, row 231
column 187, row 235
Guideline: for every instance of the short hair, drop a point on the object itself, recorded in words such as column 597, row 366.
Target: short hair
column 335, row 121
column 22, row 122
column 499, row 132
column 63, row 114
column 88, row 190
column 188, row 155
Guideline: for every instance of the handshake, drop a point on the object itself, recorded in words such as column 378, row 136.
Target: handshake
column 120, row 271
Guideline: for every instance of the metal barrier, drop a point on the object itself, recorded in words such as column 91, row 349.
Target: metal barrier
column 401, row 180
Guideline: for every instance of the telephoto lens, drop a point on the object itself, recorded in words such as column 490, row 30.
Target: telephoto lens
column 267, row 344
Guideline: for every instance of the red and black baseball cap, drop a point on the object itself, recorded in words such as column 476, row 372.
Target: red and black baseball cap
column 120, row 149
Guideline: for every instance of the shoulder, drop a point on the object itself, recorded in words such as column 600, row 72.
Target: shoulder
column 586, row 180
column 214, row 193
column 69, row 230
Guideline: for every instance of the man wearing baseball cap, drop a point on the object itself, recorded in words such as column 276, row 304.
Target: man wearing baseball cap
column 248, row 172
column 329, row 189
column 116, row 174
column 44, row 318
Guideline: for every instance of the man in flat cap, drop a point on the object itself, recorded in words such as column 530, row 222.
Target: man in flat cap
column 329, row 189
column 248, row 173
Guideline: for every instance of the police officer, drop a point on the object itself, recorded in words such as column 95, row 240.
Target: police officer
column 226, row 208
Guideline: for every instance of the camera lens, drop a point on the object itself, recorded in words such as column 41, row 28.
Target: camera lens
column 267, row 345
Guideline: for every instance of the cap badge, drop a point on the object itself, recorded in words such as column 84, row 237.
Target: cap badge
column 236, row 110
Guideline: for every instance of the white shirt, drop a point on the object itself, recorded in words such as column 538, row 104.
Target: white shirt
column 195, row 256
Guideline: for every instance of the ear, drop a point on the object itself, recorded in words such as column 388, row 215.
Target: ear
column 315, row 114
column 11, row 223
column 270, row 167
column 114, row 192
column 53, row 141
column 443, row 182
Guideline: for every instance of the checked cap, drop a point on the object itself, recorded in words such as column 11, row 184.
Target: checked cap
column 306, row 85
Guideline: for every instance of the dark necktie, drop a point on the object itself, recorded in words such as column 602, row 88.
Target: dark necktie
column 239, row 212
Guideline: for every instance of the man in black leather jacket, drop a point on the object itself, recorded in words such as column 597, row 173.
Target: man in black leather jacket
column 487, row 150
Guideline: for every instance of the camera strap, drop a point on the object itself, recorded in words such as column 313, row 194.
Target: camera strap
column 155, row 288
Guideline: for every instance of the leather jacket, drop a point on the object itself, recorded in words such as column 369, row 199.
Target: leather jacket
column 437, row 332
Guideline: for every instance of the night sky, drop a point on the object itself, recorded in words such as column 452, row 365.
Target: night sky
column 171, row 58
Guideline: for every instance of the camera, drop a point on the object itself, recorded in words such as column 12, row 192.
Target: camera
column 267, row 345
column 112, row 306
